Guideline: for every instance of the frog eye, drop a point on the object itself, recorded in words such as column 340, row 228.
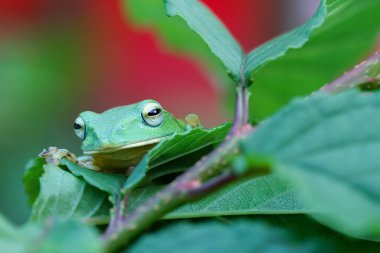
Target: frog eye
column 152, row 114
column 80, row 128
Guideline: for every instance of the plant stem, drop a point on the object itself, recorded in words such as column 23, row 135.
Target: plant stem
column 366, row 72
column 212, row 184
column 197, row 181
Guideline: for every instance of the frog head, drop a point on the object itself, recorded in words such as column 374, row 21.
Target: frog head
column 125, row 127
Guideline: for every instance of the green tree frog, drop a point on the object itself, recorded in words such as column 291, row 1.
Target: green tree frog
column 118, row 138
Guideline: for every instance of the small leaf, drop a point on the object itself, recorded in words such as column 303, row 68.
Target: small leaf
column 239, row 236
column 64, row 195
column 31, row 178
column 108, row 182
column 173, row 34
column 176, row 153
column 265, row 195
column 279, row 46
column 200, row 19
column 328, row 147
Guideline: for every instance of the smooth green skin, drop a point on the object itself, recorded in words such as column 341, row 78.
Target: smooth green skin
column 124, row 125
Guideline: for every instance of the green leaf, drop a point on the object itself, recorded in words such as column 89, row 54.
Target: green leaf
column 239, row 236
column 335, row 39
column 296, row 63
column 108, row 182
column 328, row 147
column 176, row 153
column 200, row 19
column 173, row 33
column 327, row 240
column 265, row 195
column 30, row 179
column 71, row 236
column 278, row 47
column 82, row 194
column 294, row 229
column 52, row 236
column 64, row 195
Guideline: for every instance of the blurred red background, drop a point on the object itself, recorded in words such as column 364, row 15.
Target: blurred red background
column 126, row 65
column 89, row 56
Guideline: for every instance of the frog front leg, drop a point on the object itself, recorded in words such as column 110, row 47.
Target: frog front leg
column 54, row 155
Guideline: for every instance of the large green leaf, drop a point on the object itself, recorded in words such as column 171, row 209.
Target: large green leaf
column 108, row 182
column 239, row 236
column 53, row 236
column 64, row 195
column 266, row 195
column 176, row 153
column 328, row 147
column 335, row 39
column 275, row 233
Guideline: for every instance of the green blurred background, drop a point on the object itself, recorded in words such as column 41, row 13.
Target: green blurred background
column 58, row 58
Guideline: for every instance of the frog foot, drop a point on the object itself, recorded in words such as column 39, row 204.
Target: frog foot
column 54, row 155
column 192, row 120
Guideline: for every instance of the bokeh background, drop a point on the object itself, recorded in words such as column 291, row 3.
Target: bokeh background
column 58, row 58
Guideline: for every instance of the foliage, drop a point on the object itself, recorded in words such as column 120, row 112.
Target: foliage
column 333, row 163
column 176, row 153
column 280, row 233
column 242, row 235
column 294, row 64
column 320, row 152
column 264, row 195
column 50, row 236
column 31, row 178
column 64, row 195
column 109, row 183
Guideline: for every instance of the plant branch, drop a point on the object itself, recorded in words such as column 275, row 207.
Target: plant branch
column 222, row 180
column 212, row 184
column 185, row 188
column 366, row 72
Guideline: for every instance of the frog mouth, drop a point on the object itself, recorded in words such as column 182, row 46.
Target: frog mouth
column 126, row 146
